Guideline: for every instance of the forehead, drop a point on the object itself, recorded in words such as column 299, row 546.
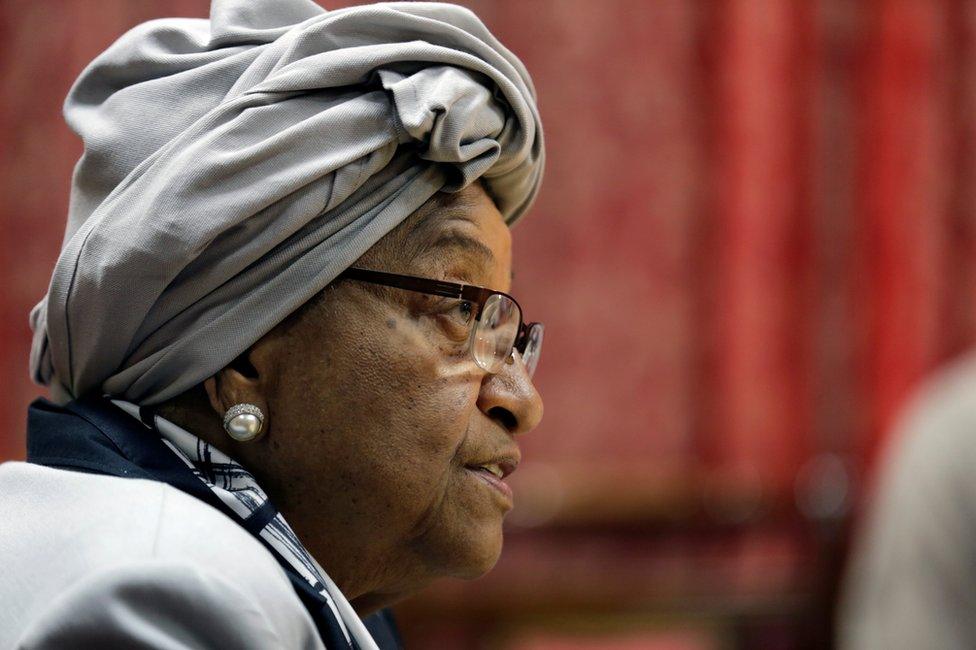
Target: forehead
column 461, row 234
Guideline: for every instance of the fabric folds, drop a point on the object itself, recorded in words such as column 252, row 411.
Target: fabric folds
column 233, row 167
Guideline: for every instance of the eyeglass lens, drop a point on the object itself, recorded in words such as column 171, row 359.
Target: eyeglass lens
column 533, row 347
column 495, row 334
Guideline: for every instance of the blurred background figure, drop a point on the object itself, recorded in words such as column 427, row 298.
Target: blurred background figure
column 756, row 234
column 912, row 577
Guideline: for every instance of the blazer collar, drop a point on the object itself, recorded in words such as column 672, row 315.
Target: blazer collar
column 91, row 434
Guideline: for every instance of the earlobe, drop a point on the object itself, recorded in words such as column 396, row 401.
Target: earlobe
column 237, row 402
column 244, row 422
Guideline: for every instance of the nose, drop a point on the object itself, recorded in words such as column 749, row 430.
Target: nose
column 509, row 397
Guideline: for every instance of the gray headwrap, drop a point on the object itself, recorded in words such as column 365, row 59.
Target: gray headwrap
column 233, row 167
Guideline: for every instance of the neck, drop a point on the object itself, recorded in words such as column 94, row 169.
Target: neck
column 369, row 577
column 192, row 412
column 335, row 545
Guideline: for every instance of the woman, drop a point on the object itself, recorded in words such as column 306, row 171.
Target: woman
column 288, row 384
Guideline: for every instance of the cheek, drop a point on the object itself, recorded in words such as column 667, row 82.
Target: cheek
column 404, row 408
column 424, row 423
column 385, row 415
column 425, row 387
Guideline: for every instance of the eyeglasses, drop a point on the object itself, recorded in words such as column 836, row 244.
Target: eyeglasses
column 498, row 330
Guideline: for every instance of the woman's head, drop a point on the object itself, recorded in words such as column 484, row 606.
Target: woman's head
column 233, row 168
column 379, row 422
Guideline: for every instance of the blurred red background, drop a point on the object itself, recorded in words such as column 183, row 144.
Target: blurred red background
column 756, row 234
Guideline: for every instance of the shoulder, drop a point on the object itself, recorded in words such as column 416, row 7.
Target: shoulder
column 947, row 399
column 156, row 603
column 926, row 490
column 120, row 519
column 72, row 538
column 909, row 579
column 933, row 446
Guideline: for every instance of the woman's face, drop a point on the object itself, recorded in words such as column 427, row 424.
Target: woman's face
column 379, row 420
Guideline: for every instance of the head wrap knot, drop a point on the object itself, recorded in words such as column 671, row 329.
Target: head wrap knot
column 233, row 167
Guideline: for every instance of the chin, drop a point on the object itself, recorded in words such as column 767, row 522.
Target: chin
column 479, row 556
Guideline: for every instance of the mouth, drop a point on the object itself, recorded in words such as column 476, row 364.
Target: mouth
column 493, row 473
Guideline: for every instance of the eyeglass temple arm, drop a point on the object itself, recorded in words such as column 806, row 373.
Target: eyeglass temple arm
column 408, row 282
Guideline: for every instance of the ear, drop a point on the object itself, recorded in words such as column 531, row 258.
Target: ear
column 246, row 380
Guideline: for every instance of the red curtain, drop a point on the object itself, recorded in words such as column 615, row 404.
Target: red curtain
column 756, row 234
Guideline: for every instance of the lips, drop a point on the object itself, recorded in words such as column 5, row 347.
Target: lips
column 494, row 471
column 497, row 468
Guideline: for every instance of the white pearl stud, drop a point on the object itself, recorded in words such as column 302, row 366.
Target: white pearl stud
column 243, row 422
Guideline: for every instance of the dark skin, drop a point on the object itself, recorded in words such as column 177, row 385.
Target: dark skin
column 377, row 415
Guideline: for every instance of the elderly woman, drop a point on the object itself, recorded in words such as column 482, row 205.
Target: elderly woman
column 287, row 380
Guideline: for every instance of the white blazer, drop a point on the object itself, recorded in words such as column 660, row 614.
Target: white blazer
column 105, row 562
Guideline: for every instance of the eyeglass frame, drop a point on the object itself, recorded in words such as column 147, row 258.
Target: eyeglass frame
column 468, row 292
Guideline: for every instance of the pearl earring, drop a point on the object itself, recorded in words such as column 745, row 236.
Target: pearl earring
column 243, row 422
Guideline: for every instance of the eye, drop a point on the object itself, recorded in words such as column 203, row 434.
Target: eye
column 463, row 311
column 456, row 317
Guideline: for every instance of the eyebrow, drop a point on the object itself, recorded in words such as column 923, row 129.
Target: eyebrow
column 468, row 244
column 430, row 235
column 450, row 238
